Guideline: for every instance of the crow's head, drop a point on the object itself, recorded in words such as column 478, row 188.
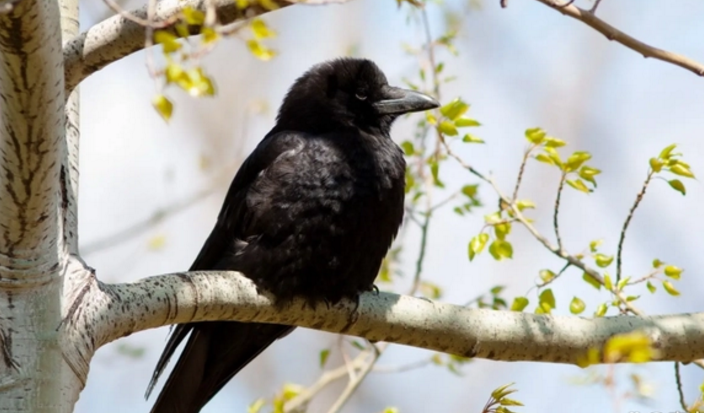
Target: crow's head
column 344, row 93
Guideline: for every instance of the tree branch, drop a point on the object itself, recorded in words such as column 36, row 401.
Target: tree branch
column 612, row 33
column 108, row 312
column 117, row 36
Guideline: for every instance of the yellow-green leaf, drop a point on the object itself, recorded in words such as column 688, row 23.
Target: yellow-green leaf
column 256, row 407
column 492, row 218
column 261, row 30
column 469, row 138
column 673, row 272
column 588, row 173
column 408, row 148
column 201, row 84
column 591, row 281
column 470, row 191
column 502, row 229
column 500, row 249
column 192, row 16
column 541, row 157
column 209, row 35
column 603, row 261
column 634, row 347
column 163, row 106
column 259, row 50
column 622, row 283
column 431, row 118
column 554, row 156
column 547, row 275
column 595, row 244
column 547, row 299
column 447, row 128
column 476, row 245
column 655, row 164
column 651, row 287
column 607, row 282
column 509, row 402
column 657, row 263
column 519, row 304
column 670, row 288
column 168, row 40
column 464, row 122
column 535, row 135
column 551, row 142
column 324, row 354
column 681, row 170
column 454, row 109
column 601, row 310
column 577, row 306
column 578, row 184
column 678, row 186
column 665, row 153
column 524, row 204
column 576, row 160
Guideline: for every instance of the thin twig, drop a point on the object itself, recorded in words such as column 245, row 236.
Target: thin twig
column 520, row 172
column 352, row 385
column 589, row 18
column 594, row 7
column 555, row 223
column 680, row 392
column 639, row 198
column 136, row 19
column 421, row 253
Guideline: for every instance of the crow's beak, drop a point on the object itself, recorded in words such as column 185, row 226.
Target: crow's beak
column 400, row 101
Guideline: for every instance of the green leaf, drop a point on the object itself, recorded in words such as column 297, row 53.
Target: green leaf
column 192, row 16
column 200, row 83
column 163, row 106
column 509, row 402
column 678, row 186
column 494, row 218
column 447, row 128
column 168, row 40
column 547, row 275
column 256, row 407
column 607, row 282
column 541, row 157
column 546, row 299
column 535, row 135
column 673, row 272
column 577, row 306
column 500, row 249
column 594, row 245
column 434, row 172
column 261, row 30
column 209, row 35
column 681, row 170
column 469, row 138
column 554, row 156
column 464, row 122
column 519, row 304
column 408, row 148
column 603, row 261
column 551, row 142
column 601, row 310
column 651, row 287
column 476, row 245
column 502, row 229
column 454, row 109
column 431, row 118
column 665, row 153
column 670, row 288
column 588, row 173
column 524, row 204
column 591, row 281
column 470, row 191
column 324, row 354
column 657, row 263
column 578, row 184
column 622, row 283
column 576, row 160
column 655, row 165
column 260, row 51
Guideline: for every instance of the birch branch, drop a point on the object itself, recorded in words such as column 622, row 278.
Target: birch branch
column 113, row 311
column 117, row 36
column 589, row 18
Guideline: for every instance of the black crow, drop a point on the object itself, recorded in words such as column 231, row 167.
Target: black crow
column 311, row 213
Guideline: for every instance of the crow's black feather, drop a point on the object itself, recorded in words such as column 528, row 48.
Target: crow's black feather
column 310, row 213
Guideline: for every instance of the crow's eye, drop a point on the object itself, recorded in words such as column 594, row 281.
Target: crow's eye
column 360, row 96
